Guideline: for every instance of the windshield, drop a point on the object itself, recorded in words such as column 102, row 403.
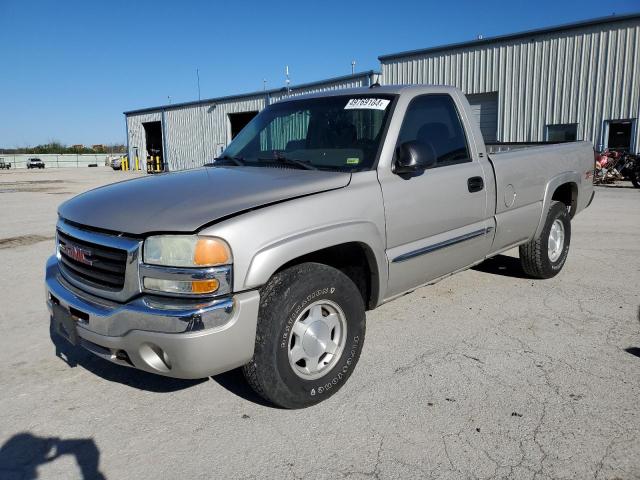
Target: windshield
column 332, row 133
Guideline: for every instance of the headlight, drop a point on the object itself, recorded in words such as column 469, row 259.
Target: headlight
column 186, row 251
column 189, row 265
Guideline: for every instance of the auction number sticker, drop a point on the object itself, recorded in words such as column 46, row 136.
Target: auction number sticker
column 367, row 103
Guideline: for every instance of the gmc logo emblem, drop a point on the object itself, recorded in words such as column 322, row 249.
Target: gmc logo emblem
column 78, row 254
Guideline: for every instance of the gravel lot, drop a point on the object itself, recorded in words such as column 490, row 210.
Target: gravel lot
column 485, row 375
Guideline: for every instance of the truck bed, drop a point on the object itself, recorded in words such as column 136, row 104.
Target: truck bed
column 522, row 178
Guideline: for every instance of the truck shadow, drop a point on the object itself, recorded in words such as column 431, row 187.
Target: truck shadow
column 502, row 265
column 635, row 351
column 232, row 381
column 77, row 356
column 23, row 453
column 626, row 185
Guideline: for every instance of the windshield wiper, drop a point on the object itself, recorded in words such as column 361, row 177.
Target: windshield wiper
column 290, row 161
column 236, row 160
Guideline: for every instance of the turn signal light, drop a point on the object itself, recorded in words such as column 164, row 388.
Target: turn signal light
column 204, row 286
column 211, row 251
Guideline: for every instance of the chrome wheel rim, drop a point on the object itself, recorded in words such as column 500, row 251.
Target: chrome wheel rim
column 317, row 339
column 556, row 240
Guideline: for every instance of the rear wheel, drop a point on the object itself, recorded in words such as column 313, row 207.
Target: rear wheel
column 545, row 256
column 635, row 178
column 310, row 332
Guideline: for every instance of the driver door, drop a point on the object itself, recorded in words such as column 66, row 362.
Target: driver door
column 436, row 220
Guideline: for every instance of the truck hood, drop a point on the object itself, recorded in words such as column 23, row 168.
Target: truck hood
column 186, row 201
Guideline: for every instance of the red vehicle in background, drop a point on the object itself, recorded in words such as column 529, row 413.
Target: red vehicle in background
column 614, row 165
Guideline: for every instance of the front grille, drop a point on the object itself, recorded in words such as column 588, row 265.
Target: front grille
column 104, row 267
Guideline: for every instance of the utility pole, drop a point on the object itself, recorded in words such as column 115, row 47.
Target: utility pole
column 286, row 74
column 353, row 67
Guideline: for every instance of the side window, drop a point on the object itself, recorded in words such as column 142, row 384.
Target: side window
column 434, row 121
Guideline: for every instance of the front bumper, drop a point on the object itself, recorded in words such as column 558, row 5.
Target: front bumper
column 160, row 335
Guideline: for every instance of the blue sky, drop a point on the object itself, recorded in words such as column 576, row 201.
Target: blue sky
column 70, row 68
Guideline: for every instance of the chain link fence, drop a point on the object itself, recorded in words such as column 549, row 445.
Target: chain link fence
column 61, row 161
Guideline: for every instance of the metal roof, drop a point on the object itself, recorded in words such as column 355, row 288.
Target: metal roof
column 259, row 93
column 372, row 91
column 513, row 36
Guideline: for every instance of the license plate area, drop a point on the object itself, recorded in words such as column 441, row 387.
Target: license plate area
column 65, row 324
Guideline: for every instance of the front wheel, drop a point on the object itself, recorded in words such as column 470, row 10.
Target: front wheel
column 635, row 178
column 311, row 327
column 545, row 256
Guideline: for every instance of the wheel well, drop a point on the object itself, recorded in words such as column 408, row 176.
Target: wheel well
column 567, row 193
column 355, row 260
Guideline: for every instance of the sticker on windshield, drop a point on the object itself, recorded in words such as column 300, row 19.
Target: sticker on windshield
column 353, row 161
column 367, row 103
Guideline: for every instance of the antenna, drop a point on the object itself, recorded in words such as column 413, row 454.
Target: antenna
column 198, row 75
column 169, row 98
column 287, row 80
column 204, row 155
column 264, row 84
column 353, row 67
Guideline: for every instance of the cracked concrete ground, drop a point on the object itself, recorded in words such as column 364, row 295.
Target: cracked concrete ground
column 484, row 375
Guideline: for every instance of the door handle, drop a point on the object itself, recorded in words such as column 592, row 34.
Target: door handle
column 475, row 184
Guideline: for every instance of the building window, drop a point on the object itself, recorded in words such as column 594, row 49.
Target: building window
column 562, row 132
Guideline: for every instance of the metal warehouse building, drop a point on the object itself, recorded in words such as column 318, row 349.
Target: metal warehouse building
column 579, row 81
column 572, row 82
column 186, row 135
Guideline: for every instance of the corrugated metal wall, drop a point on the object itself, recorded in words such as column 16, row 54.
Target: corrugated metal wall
column 195, row 134
column 585, row 76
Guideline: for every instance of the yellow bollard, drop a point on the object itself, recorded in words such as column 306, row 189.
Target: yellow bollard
column 137, row 164
column 124, row 166
column 157, row 163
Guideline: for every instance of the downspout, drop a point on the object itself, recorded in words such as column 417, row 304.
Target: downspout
column 165, row 149
column 126, row 126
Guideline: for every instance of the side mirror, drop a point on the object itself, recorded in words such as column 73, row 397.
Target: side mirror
column 414, row 157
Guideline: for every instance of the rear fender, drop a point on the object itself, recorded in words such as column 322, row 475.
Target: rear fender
column 552, row 185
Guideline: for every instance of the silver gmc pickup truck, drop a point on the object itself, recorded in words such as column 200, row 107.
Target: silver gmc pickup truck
column 323, row 207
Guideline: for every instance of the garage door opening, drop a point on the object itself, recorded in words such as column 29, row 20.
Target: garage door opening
column 619, row 135
column 153, row 137
column 239, row 120
column 485, row 110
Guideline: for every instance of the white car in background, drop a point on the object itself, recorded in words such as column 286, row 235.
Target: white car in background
column 115, row 162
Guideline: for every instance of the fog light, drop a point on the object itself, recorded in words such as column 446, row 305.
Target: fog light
column 155, row 357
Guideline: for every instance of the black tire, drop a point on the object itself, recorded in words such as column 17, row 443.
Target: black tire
column 534, row 256
column 635, row 178
column 282, row 300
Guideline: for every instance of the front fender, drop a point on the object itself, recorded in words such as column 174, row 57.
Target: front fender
column 276, row 254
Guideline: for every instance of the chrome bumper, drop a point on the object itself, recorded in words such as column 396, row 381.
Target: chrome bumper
column 161, row 335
